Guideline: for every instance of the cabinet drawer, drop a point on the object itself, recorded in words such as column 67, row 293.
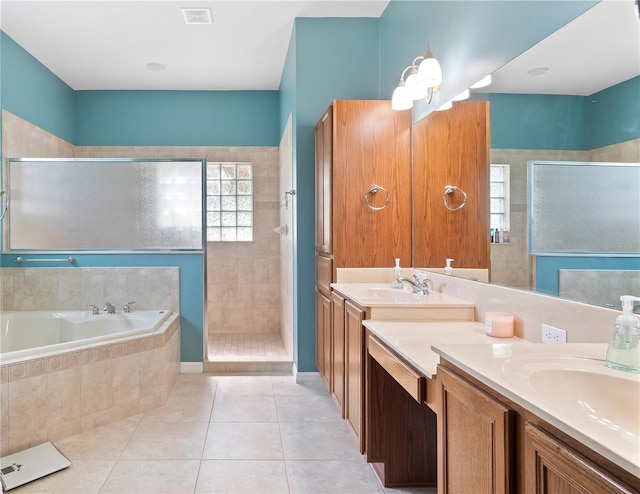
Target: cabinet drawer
column 324, row 274
column 411, row 381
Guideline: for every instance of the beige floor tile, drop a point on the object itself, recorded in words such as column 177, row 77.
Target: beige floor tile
column 102, row 443
column 234, row 441
column 331, row 477
column 166, row 441
column 187, row 408
column 242, row 477
column 286, row 385
column 317, row 441
column 191, row 384
column 245, row 385
column 82, row 477
column 152, row 476
column 244, row 408
column 306, row 409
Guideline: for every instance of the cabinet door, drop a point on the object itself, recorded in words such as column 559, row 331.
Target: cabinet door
column 354, row 365
column 372, row 146
column 338, row 338
column 475, row 440
column 323, row 337
column 324, row 157
column 553, row 468
column 452, row 148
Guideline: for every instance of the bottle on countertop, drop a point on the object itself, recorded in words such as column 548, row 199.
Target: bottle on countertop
column 448, row 269
column 624, row 350
column 397, row 271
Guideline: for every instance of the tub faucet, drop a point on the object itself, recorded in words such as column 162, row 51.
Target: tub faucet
column 109, row 308
column 419, row 287
column 94, row 309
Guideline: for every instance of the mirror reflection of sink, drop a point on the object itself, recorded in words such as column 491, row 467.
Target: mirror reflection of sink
column 586, row 388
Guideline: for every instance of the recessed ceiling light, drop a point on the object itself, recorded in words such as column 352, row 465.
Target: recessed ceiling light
column 196, row 16
column 155, row 67
column 538, row 71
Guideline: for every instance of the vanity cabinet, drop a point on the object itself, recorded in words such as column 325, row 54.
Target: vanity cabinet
column 354, row 371
column 475, row 439
column 487, row 443
column 338, row 346
column 323, row 338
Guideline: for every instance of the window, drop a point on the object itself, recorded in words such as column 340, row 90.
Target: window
column 499, row 196
column 229, row 202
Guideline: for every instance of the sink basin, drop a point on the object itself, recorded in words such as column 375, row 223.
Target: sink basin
column 611, row 401
column 586, row 389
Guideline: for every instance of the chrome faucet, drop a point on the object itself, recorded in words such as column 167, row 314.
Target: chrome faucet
column 94, row 309
column 109, row 308
column 126, row 308
column 419, row 287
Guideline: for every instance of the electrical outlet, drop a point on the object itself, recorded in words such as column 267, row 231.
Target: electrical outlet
column 553, row 335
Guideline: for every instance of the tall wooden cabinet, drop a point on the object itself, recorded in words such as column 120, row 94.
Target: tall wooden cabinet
column 362, row 220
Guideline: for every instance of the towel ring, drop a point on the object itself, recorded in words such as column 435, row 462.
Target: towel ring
column 372, row 190
column 450, row 189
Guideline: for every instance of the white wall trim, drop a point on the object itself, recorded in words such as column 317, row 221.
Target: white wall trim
column 191, row 367
column 304, row 376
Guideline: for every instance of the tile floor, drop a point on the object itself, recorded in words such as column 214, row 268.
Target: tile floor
column 267, row 346
column 221, row 434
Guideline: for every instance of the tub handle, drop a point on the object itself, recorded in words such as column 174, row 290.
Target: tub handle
column 126, row 308
column 94, row 309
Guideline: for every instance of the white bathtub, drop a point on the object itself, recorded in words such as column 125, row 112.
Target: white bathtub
column 25, row 334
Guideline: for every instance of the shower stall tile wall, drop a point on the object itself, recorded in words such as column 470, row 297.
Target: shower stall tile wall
column 74, row 288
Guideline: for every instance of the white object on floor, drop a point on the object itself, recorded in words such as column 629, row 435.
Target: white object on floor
column 31, row 464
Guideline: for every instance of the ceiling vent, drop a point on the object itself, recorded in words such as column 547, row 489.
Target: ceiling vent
column 196, row 16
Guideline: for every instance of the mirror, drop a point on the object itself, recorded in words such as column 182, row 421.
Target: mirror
column 556, row 95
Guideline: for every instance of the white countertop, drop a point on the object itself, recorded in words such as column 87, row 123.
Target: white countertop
column 413, row 339
column 382, row 295
column 598, row 413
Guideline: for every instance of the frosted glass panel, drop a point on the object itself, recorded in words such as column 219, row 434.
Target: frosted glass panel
column 105, row 204
column 585, row 207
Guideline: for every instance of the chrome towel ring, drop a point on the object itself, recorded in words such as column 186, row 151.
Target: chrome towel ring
column 450, row 189
column 372, row 190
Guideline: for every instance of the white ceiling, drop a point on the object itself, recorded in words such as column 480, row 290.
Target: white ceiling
column 92, row 44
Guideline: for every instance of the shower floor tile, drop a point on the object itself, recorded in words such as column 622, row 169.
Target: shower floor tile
column 244, row 346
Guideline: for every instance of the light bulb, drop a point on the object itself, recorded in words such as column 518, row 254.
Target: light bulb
column 416, row 87
column 401, row 99
column 430, row 72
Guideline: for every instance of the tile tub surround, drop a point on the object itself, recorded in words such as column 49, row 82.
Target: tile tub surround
column 49, row 398
column 73, row 288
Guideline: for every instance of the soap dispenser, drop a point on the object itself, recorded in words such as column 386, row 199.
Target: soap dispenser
column 624, row 350
column 397, row 271
column 448, row 269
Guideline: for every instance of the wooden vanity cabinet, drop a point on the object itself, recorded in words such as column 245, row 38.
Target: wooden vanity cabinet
column 338, row 346
column 354, row 371
column 487, row 443
column 323, row 337
column 475, row 439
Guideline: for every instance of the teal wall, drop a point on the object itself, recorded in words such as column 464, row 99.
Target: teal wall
column 614, row 114
column 177, row 118
column 343, row 65
column 543, row 121
column 34, row 93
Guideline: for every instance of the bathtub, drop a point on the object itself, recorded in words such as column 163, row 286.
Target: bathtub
column 65, row 372
column 25, row 334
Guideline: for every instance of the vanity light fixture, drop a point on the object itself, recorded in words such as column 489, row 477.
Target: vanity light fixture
column 422, row 81
column 482, row 82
